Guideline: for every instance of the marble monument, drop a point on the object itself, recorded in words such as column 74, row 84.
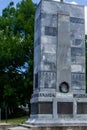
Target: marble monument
column 59, row 93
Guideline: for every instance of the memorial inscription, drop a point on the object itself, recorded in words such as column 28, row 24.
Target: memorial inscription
column 49, row 79
column 77, row 20
column 82, row 108
column 65, row 107
column 51, row 31
column 42, row 108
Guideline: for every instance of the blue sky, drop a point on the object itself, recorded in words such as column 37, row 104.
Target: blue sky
column 81, row 2
column 4, row 3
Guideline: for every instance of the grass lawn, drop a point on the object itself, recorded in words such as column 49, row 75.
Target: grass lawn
column 16, row 120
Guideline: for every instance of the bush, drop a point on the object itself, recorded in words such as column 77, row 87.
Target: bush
column 17, row 112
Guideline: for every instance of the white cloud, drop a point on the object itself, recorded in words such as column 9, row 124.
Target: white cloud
column 85, row 19
column 73, row 2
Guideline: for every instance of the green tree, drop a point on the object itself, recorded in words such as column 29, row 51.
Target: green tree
column 16, row 54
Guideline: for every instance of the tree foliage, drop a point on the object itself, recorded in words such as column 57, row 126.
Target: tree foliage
column 16, row 54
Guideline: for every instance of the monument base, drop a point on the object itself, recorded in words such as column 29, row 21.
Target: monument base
column 71, row 126
column 61, row 128
column 64, row 127
column 53, row 124
column 57, row 122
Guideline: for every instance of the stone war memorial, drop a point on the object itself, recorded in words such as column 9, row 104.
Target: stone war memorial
column 59, row 95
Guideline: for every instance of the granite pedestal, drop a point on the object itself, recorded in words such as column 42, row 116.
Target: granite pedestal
column 59, row 94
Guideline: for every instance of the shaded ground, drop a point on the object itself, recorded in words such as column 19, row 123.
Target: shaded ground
column 16, row 120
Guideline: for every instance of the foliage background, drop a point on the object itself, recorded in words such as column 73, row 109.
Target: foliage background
column 16, row 55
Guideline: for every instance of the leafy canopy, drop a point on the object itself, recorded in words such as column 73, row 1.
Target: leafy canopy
column 16, row 53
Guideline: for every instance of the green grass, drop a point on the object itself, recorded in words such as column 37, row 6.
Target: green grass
column 16, row 120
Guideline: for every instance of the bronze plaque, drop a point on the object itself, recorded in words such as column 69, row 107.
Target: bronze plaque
column 82, row 108
column 45, row 107
column 65, row 107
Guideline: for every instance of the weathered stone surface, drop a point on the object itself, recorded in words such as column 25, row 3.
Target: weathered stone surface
column 61, row 128
column 19, row 128
column 5, row 126
column 59, row 65
column 50, row 128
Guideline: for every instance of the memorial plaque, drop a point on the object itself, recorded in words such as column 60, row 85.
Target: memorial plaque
column 42, row 108
column 82, row 108
column 51, row 31
column 77, row 20
column 65, row 107
column 45, row 108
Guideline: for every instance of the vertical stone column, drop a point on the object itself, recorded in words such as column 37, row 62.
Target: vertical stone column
column 55, row 114
column 63, row 50
column 74, row 108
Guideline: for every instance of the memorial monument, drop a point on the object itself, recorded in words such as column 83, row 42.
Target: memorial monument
column 59, row 93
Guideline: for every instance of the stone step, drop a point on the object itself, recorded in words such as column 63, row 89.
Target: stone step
column 51, row 128
column 19, row 128
column 5, row 126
